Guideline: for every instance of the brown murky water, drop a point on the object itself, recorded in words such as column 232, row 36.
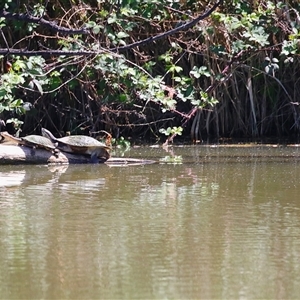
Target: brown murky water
column 204, row 223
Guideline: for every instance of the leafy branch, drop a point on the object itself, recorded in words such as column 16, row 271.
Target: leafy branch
column 54, row 27
column 37, row 20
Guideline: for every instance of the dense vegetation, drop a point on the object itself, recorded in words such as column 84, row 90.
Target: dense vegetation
column 78, row 66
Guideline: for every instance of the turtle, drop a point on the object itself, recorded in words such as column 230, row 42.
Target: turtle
column 80, row 144
column 32, row 141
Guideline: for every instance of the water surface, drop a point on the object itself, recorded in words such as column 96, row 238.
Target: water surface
column 205, row 223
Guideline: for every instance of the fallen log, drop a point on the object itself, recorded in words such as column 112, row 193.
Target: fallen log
column 14, row 155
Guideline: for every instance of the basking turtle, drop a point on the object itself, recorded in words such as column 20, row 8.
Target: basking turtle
column 33, row 141
column 80, row 144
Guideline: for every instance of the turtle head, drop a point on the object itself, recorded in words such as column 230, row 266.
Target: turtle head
column 46, row 133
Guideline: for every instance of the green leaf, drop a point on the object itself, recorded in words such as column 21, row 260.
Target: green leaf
column 3, row 92
column 96, row 29
column 123, row 98
column 121, row 35
column 38, row 85
column 111, row 20
column 258, row 35
column 198, row 72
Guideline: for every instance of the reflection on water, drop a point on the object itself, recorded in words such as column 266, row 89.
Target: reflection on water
column 224, row 223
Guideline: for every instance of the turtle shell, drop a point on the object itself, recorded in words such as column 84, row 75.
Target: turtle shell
column 80, row 144
column 37, row 141
column 82, row 141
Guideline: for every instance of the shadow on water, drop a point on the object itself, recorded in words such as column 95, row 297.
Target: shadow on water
column 206, row 222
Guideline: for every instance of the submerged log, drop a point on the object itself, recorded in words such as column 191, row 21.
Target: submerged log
column 127, row 161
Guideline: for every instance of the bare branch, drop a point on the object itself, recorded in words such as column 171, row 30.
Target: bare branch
column 31, row 19
column 46, row 53
column 172, row 31
column 53, row 26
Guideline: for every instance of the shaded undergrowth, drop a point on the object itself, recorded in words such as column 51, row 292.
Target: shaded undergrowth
column 233, row 74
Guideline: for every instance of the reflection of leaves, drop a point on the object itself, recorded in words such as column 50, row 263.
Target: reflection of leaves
column 176, row 159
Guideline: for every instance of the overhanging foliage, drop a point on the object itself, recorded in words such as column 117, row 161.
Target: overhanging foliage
column 139, row 68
